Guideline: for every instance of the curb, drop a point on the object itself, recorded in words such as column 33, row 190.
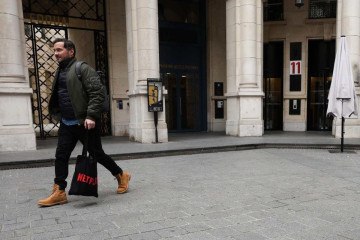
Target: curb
column 189, row 151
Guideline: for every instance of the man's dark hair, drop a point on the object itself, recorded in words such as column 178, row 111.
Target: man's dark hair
column 68, row 44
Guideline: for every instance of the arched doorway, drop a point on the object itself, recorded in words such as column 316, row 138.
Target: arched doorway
column 82, row 21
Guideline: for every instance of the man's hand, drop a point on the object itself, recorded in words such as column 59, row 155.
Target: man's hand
column 89, row 124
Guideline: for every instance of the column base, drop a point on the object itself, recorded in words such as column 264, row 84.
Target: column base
column 146, row 133
column 17, row 140
column 251, row 129
column 142, row 126
column 16, row 123
column 245, row 116
column 232, row 128
column 245, row 128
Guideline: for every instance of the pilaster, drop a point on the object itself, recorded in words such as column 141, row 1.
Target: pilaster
column 143, row 62
column 244, row 94
column 16, row 122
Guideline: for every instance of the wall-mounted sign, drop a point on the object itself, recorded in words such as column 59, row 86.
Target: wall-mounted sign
column 46, row 19
column 154, row 89
column 295, row 67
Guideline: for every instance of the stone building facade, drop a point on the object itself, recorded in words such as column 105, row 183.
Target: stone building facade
column 238, row 66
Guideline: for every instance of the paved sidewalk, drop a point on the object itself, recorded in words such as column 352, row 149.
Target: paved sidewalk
column 182, row 143
column 257, row 194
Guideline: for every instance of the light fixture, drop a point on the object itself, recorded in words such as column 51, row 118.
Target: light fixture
column 299, row 3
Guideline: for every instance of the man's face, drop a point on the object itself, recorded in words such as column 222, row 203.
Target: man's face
column 62, row 53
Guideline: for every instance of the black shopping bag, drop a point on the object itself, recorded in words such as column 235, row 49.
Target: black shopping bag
column 85, row 181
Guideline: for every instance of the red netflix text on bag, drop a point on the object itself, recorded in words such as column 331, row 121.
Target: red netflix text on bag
column 86, row 179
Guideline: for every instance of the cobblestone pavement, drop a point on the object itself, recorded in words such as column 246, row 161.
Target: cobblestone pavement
column 277, row 194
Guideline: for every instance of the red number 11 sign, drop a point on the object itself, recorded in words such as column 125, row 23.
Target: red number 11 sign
column 295, row 67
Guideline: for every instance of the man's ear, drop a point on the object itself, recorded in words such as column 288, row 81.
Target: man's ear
column 71, row 52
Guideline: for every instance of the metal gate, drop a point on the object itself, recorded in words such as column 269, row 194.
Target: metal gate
column 40, row 31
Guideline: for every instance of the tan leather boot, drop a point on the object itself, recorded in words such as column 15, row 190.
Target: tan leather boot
column 54, row 188
column 123, row 181
column 57, row 197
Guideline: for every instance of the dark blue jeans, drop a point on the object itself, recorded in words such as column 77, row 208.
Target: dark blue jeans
column 68, row 137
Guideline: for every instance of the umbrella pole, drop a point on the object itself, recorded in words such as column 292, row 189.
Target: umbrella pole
column 342, row 133
column 342, row 125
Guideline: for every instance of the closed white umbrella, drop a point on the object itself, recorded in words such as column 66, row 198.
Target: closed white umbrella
column 342, row 98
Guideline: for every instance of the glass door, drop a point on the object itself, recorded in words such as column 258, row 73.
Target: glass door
column 321, row 63
column 318, row 102
column 182, row 100
column 273, row 106
column 273, row 85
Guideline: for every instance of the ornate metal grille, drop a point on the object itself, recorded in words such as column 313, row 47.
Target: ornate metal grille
column 41, row 62
column 102, row 65
column 85, row 9
column 42, row 67
column 322, row 9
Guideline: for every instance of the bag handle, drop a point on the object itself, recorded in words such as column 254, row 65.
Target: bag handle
column 85, row 143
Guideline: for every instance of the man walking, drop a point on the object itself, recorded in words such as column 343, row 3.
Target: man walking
column 78, row 105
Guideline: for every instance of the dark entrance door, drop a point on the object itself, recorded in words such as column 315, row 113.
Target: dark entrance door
column 182, row 101
column 273, row 85
column 320, row 65
column 182, row 63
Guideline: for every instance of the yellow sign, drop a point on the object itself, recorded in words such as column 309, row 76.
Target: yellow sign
column 155, row 101
column 153, row 95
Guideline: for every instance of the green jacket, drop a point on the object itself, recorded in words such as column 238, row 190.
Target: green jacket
column 86, row 96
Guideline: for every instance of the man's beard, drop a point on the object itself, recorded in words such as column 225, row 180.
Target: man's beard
column 65, row 62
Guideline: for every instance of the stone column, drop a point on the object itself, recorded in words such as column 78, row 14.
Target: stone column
column 244, row 42
column 348, row 24
column 16, row 122
column 143, row 62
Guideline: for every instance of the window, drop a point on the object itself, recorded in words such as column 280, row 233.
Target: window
column 322, row 9
column 179, row 11
column 273, row 10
